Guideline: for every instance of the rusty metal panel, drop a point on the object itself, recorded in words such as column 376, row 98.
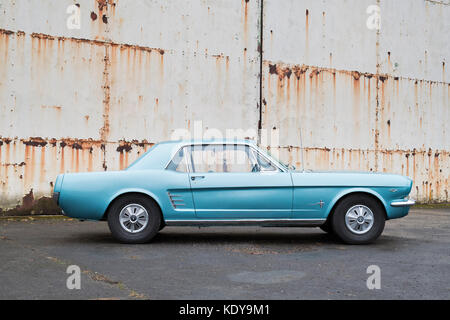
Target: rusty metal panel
column 56, row 87
column 50, row 17
column 97, row 97
column 413, row 114
column 332, row 108
column 329, row 34
column 214, row 27
column 365, row 99
column 413, row 40
column 163, row 91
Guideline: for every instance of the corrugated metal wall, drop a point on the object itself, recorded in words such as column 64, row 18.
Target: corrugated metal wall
column 97, row 97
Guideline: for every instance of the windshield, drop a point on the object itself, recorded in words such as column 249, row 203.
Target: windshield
column 285, row 166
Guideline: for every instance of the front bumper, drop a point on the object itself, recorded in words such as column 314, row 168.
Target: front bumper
column 403, row 203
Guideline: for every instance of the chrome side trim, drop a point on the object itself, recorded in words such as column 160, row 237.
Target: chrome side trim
column 248, row 222
column 405, row 203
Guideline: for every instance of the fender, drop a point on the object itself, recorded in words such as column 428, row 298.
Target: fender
column 133, row 190
column 346, row 192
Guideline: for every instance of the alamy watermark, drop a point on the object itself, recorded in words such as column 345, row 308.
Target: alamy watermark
column 374, row 280
column 373, row 22
column 74, row 19
column 268, row 138
column 74, row 279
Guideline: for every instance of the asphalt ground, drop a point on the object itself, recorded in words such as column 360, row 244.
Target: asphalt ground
column 413, row 256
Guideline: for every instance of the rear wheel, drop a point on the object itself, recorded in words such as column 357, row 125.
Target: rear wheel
column 358, row 219
column 134, row 219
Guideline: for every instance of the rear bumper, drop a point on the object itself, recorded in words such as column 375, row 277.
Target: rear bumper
column 403, row 203
column 55, row 197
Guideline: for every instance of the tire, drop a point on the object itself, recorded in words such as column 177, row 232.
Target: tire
column 354, row 230
column 326, row 227
column 141, row 230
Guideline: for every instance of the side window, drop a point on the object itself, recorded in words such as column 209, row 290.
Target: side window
column 264, row 165
column 178, row 162
column 221, row 158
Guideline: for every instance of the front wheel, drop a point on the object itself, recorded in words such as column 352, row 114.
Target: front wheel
column 134, row 219
column 358, row 220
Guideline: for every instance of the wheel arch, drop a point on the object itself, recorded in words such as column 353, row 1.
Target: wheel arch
column 347, row 194
column 129, row 193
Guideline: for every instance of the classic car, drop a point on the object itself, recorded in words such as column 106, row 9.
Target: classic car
column 231, row 183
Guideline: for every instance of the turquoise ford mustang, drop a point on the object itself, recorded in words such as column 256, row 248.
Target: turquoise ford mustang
column 230, row 183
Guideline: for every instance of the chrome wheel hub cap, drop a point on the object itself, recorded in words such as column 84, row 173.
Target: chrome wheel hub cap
column 133, row 218
column 359, row 219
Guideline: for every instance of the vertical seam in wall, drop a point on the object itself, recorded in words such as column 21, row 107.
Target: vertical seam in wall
column 106, row 86
column 104, row 131
column 261, row 49
column 377, row 97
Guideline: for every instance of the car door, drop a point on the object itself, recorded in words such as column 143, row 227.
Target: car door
column 178, row 198
column 227, row 182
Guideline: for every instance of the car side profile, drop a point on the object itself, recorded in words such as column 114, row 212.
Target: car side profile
column 231, row 183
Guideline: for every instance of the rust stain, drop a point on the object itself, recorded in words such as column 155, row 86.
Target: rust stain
column 42, row 167
column 35, row 142
column 6, row 32
column 307, row 36
column 102, row 4
column 30, row 206
column 43, row 36
column 356, row 95
column 77, row 159
column 90, row 161
column 245, row 4
column 104, row 131
column 443, row 71
column 124, row 146
column 62, row 163
column 161, row 66
column 58, row 108
column 121, row 165
column 28, row 199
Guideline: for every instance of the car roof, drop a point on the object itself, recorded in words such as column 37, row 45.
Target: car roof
column 162, row 152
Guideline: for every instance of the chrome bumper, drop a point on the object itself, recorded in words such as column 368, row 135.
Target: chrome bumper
column 404, row 203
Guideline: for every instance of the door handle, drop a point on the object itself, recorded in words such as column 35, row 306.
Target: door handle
column 197, row 177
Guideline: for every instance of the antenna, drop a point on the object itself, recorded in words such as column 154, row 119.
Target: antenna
column 301, row 149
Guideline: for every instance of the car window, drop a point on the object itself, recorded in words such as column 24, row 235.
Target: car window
column 221, row 158
column 178, row 162
column 264, row 164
